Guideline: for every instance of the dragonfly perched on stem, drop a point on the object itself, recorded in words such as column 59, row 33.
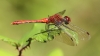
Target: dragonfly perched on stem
column 70, row 33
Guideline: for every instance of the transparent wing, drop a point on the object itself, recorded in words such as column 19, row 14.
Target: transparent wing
column 65, row 39
column 83, row 35
column 61, row 13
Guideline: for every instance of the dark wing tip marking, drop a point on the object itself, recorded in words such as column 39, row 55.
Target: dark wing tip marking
column 88, row 33
column 71, row 39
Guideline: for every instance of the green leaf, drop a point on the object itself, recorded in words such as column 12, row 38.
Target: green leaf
column 56, row 52
column 47, row 35
column 8, row 40
column 39, row 33
column 36, row 29
column 41, row 37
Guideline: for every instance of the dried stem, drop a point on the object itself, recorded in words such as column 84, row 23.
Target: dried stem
column 24, row 47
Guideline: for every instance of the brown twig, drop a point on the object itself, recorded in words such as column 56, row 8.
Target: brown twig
column 24, row 47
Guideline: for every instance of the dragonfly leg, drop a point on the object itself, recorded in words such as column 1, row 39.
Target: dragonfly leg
column 49, row 29
column 47, row 26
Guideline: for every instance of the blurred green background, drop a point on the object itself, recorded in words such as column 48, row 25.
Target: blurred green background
column 83, row 13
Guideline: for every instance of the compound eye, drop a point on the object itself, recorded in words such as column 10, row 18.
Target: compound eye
column 67, row 19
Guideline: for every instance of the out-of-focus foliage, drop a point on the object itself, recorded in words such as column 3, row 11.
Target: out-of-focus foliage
column 56, row 52
column 5, row 53
column 84, row 13
column 8, row 40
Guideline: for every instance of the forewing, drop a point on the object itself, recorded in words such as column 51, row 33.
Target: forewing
column 83, row 35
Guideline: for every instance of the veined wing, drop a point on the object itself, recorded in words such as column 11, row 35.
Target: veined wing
column 61, row 12
column 83, row 35
column 68, row 36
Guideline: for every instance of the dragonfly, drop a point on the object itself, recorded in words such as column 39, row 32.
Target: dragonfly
column 70, row 34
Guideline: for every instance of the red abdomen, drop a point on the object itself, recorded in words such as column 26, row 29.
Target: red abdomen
column 45, row 20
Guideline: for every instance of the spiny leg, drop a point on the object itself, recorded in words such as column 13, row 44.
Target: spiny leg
column 47, row 28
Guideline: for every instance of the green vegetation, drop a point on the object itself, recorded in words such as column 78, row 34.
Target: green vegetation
column 83, row 13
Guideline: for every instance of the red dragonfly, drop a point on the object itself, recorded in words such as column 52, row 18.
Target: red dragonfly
column 52, row 19
column 63, row 23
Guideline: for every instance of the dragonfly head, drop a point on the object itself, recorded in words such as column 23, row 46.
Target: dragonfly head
column 67, row 20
